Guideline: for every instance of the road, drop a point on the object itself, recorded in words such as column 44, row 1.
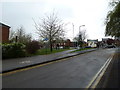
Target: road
column 113, row 81
column 74, row 72
column 110, row 78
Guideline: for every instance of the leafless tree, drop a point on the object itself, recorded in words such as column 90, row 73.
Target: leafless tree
column 20, row 35
column 12, row 35
column 81, row 37
column 51, row 27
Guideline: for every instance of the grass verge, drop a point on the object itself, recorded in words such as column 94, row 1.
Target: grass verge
column 47, row 51
column 81, row 49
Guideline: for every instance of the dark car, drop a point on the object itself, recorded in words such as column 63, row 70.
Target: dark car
column 110, row 46
column 88, row 47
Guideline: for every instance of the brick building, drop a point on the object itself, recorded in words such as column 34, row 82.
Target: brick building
column 67, row 44
column 4, row 33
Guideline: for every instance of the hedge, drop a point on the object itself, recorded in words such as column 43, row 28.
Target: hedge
column 32, row 47
column 13, row 50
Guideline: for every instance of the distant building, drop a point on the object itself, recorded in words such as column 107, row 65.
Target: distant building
column 108, row 41
column 4, row 31
column 64, row 44
column 92, row 43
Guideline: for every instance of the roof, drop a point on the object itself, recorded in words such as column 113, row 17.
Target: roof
column 1, row 24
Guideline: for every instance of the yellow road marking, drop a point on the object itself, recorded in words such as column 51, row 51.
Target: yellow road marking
column 20, row 70
column 32, row 67
column 28, row 68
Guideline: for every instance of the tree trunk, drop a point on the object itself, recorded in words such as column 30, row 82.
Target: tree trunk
column 51, row 45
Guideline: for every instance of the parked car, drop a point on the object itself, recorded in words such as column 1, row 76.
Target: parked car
column 88, row 47
column 61, row 47
column 110, row 46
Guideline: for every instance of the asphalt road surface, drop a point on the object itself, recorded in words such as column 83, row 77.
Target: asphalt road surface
column 111, row 77
column 74, row 72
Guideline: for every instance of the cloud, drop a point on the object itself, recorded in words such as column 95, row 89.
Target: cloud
column 88, row 12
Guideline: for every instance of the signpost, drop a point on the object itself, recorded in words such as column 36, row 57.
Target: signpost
column 45, row 39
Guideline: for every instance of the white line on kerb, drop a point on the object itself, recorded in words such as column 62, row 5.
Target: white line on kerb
column 100, row 73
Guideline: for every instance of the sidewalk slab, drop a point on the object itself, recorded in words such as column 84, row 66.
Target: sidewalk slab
column 13, row 64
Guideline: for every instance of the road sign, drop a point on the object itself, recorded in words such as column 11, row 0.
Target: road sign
column 45, row 39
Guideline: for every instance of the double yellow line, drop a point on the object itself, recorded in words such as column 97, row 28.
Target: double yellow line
column 96, row 79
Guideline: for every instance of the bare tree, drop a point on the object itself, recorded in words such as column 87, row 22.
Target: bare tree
column 51, row 27
column 12, row 35
column 20, row 35
column 81, row 37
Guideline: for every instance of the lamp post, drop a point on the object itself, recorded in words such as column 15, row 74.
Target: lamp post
column 80, row 36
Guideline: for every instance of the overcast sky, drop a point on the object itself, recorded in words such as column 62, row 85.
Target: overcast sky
column 90, row 13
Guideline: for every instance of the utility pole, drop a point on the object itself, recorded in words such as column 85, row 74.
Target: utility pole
column 73, row 30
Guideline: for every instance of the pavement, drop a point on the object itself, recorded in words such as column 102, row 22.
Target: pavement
column 19, row 63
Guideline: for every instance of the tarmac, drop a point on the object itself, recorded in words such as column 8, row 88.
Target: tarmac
column 111, row 78
column 19, row 63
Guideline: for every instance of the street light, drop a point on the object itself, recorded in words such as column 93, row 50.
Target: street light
column 80, row 36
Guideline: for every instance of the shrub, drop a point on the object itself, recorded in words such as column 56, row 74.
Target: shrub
column 13, row 50
column 32, row 47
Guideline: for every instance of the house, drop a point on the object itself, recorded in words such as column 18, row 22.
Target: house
column 92, row 43
column 64, row 44
column 4, row 31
